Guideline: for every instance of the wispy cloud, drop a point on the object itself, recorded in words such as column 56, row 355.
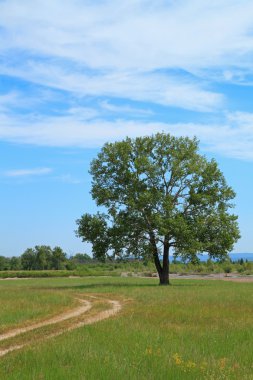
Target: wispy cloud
column 99, row 70
column 153, row 87
column 120, row 35
column 9, row 100
column 232, row 136
column 69, row 179
column 117, row 50
column 126, row 110
column 27, row 172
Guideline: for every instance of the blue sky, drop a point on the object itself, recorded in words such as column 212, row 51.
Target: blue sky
column 75, row 74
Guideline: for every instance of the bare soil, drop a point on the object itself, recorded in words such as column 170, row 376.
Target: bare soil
column 214, row 276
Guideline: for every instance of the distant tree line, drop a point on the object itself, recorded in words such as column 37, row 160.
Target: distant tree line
column 43, row 257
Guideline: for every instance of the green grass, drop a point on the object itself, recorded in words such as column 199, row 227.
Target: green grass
column 21, row 305
column 191, row 330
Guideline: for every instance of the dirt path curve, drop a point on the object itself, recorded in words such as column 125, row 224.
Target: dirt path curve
column 115, row 308
column 86, row 305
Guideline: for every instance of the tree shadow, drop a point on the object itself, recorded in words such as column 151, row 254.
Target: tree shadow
column 192, row 284
column 105, row 285
column 126, row 284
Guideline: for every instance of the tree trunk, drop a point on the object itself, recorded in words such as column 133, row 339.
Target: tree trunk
column 164, row 276
column 162, row 270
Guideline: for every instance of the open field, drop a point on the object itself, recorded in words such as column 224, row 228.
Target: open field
column 194, row 329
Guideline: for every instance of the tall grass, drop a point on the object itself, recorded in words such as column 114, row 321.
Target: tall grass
column 191, row 330
column 23, row 305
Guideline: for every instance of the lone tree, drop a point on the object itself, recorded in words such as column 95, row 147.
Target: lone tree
column 161, row 196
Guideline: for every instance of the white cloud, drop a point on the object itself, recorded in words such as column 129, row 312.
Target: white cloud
column 131, row 34
column 232, row 137
column 108, row 106
column 67, row 178
column 162, row 52
column 8, row 100
column 148, row 87
column 27, row 172
column 82, row 113
column 31, row 100
column 114, row 49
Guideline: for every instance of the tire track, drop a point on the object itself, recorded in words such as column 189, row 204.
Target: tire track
column 59, row 318
column 77, row 312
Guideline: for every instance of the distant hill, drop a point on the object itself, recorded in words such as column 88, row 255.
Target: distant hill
column 243, row 255
column 234, row 256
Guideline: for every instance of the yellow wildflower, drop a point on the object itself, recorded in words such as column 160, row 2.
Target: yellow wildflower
column 222, row 363
column 177, row 358
column 190, row 364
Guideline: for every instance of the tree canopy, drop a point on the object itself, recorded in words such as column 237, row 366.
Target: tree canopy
column 161, row 196
column 43, row 257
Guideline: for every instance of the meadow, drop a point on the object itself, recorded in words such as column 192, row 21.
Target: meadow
column 193, row 329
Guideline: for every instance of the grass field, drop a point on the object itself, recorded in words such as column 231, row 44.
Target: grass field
column 194, row 329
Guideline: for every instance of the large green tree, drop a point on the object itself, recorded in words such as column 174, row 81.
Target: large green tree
column 161, row 196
